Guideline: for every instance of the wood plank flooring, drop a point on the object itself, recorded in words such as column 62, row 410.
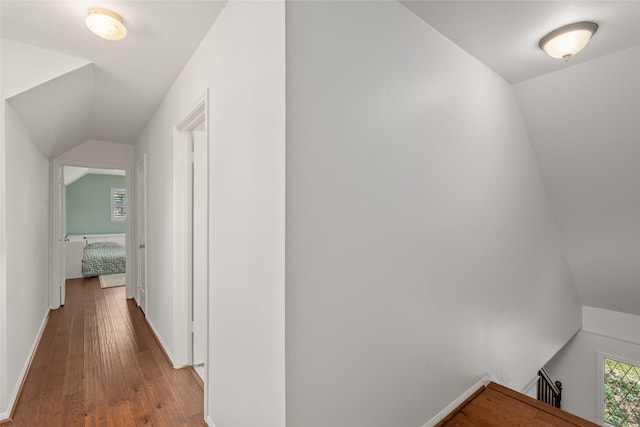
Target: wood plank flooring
column 98, row 364
column 498, row 406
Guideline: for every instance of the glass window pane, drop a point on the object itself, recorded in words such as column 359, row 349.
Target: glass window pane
column 621, row 394
column 118, row 204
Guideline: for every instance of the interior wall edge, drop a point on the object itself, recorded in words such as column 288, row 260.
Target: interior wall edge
column 163, row 345
column 17, row 389
column 3, row 263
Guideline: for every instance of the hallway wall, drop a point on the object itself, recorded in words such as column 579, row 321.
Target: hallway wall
column 241, row 61
column 27, row 254
column 421, row 251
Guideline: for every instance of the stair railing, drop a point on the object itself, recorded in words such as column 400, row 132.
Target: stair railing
column 549, row 392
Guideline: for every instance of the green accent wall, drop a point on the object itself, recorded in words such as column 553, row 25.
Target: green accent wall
column 88, row 205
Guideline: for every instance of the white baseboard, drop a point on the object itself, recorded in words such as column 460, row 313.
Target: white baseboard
column 453, row 405
column 163, row 344
column 4, row 416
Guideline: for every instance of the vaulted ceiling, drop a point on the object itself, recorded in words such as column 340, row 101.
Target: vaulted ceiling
column 505, row 34
column 583, row 115
column 585, row 128
column 70, row 86
column 583, row 118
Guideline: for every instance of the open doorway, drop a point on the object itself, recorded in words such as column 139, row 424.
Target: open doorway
column 89, row 226
column 95, row 223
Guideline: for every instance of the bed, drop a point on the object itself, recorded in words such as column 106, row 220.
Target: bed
column 102, row 258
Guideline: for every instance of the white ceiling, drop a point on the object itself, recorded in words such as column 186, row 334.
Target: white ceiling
column 505, row 34
column 74, row 173
column 582, row 115
column 113, row 98
column 583, row 121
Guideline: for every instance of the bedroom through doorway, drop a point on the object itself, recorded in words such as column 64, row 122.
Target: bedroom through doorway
column 91, row 225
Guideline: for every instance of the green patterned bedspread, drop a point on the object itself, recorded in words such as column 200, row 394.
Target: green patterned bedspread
column 103, row 258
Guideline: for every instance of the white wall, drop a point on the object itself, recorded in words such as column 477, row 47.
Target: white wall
column 584, row 127
column 156, row 142
column 241, row 60
column 100, row 153
column 420, row 249
column 576, row 365
column 26, row 183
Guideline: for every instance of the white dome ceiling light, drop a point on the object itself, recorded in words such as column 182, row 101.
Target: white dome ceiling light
column 566, row 41
column 106, row 24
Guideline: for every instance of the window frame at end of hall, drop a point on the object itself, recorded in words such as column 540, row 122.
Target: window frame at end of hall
column 601, row 393
column 115, row 205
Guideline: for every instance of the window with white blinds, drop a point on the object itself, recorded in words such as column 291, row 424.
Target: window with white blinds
column 118, row 204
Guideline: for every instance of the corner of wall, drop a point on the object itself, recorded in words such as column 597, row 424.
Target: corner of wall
column 163, row 345
column 464, row 396
column 611, row 324
column 6, row 414
column 3, row 267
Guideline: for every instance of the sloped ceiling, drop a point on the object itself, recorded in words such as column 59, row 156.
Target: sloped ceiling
column 583, row 118
column 582, row 115
column 22, row 66
column 112, row 99
column 584, row 123
column 74, row 173
column 505, row 34
column 57, row 113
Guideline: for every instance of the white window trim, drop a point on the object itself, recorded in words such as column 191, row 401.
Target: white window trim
column 114, row 218
column 600, row 382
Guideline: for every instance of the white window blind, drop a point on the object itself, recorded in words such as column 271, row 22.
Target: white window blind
column 118, row 204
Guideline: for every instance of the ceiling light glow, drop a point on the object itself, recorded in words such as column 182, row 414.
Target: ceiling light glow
column 106, row 24
column 566, row 41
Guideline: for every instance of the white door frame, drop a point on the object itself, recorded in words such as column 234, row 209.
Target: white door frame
column 57, row 253
column 182, row 231
column 141, row 216
column 57, row 250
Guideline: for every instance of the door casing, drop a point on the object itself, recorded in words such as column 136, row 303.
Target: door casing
column 182, row 270
column 56, row 265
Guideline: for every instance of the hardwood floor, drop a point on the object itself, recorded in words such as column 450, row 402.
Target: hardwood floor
column 99, row 365
column 498, row 406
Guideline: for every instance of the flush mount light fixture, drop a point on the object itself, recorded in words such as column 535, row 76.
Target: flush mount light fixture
column 106, row 24
column 566, row 41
